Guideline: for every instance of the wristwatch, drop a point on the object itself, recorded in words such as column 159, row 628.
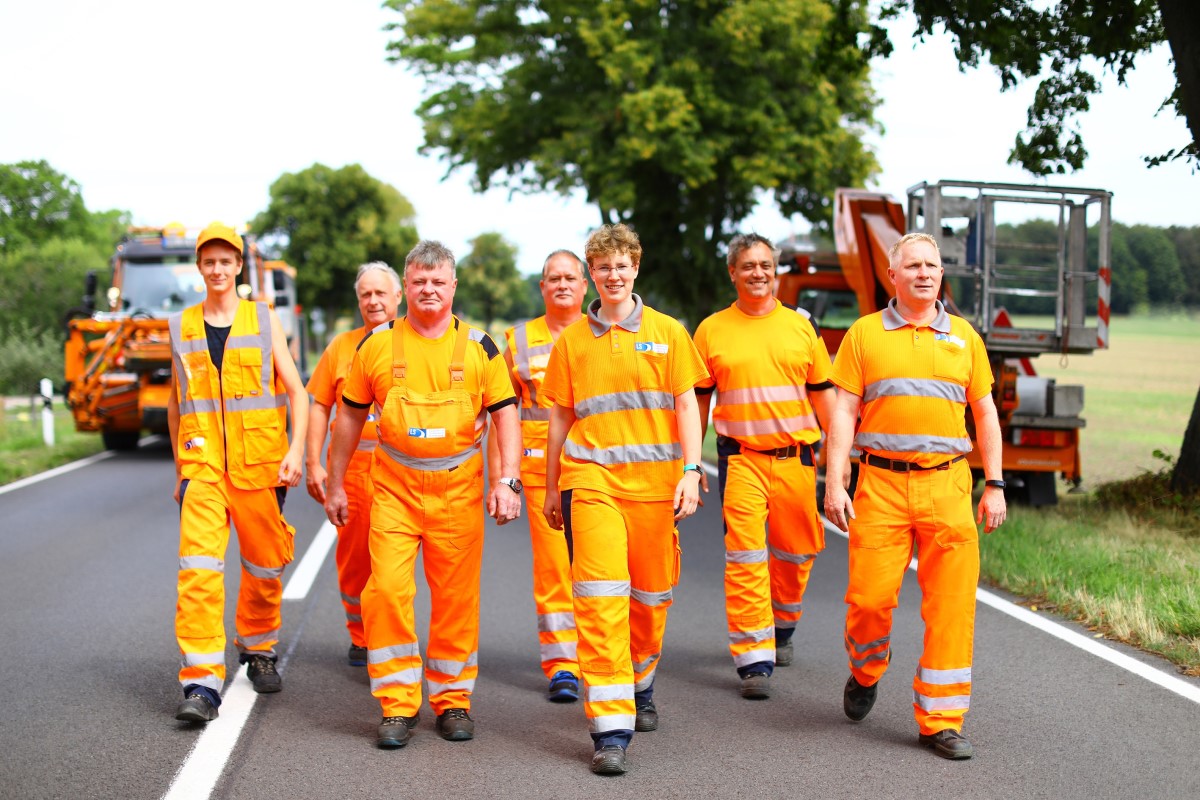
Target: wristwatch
column 693, row 468
column 513, row 483
column 995, row 484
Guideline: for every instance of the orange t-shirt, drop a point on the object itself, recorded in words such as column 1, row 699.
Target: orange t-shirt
column 329, row 378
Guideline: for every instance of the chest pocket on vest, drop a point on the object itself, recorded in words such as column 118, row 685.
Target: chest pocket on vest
column 433, row 425
column 951, row 362
column 245, row 375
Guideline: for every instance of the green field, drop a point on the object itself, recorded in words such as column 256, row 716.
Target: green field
column 22, row 452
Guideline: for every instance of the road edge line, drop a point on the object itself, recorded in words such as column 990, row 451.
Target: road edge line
column 301, row 582
column 205, row 762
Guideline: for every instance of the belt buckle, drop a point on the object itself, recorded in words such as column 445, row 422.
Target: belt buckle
column 781, row 453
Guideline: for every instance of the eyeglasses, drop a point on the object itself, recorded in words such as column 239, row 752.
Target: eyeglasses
column 604, row 272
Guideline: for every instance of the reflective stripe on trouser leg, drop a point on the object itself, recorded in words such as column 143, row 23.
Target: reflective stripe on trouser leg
column 747, row 577
column 200, row 609
column 266, row 543
column 948, row 573
column 353, row 552
column 600, row 586
column 557, row 639
column 653, row 571
column 795, row 537
column 881, row 543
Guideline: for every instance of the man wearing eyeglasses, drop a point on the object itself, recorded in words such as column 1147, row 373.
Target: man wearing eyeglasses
column 770, row 371
column 622, row 466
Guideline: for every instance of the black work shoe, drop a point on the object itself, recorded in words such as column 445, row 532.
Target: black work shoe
column 261, row 672
column 783, row 655
column 756, row 686
column 609, row 760
column 564, row 687
column 646, row 720
column 196, row 708
column 357, row 656
column 395, row 732
column 948, row 744
column 455, row 725
column 858, row 699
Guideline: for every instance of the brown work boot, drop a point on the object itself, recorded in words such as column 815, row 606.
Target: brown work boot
column 647, row 717
column 948, row 744
column 395, row 732
column 455, row 725
column 609, row 760
column 756, row 686
column 784, row 654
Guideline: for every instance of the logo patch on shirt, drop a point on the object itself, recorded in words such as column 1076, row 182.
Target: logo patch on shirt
column 427, row 433
column 533, row 453
column 949, row 337
column 650, row 347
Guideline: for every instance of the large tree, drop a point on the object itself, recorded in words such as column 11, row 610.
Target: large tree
column 674, row 117
column 489, row 285
column 330, row 221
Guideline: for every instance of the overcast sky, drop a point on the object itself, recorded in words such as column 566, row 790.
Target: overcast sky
column 190, row 110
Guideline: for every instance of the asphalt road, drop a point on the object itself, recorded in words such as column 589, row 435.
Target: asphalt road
column 88, row 661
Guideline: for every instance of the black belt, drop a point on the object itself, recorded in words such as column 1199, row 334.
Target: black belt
column 906, row 466
column 727, row 446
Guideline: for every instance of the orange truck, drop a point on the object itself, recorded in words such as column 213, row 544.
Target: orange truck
column 1060, row 286
column 118, row 357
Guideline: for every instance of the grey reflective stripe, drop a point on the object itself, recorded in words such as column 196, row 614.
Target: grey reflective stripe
column 763, row 427
column 255, row 402
column 265, row 573
column 754, row 657
column 264, row 342
column 911, row 443
column 954, row 703
column 862, row 662
column 437, row 687
column 521, row 359
column 201, row 562
column 650, row 598
column 788, row 624
column 535, row 414
column 642, row 666
column 557, row 651
column 761, row 394
column 202, row 659
column 746, row 556
column 246, row 340
column 624, row 454
column 646, row 682
column 428, row 464
column 178, row 348
column 354, row 617
column 207, row 681
column 351, row 600
column 915, row 387
column 862, row 648
column 788, row 608
column 604, row 694
column 246, row 642
column 188, row 345
column 209, row 405
column 944, row 677
column 760, row 635
column 611, row 722
column 792, row 558
column 365, row 444
column 404, row 677
column 557, row 621
column 624, row 401
column 382, row 654
column 600, row 588
column 450, row 667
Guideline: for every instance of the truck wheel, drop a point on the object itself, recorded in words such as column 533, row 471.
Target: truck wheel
column 120, row 440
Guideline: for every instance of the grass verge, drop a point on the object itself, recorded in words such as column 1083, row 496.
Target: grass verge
column 22, row 452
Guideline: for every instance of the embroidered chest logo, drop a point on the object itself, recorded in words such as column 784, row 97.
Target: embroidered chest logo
column 949, row 337
column 650, row 347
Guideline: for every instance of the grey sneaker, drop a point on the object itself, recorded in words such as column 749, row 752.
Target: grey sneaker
column 756, row 686
column 395, row 732
column 261, row 672
column 455, row 725
column 609, row 760
column 196, row 708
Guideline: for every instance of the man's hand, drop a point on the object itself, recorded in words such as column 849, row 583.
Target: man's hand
column 178, row 484
column 315, row 480
column 291, row 468
column 839, row 509
column 993, row 509
column 552, row 509
column 337, row 507
column 687, row 494
column 503, row 504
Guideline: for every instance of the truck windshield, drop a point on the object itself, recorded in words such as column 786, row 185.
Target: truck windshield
column 160, row 288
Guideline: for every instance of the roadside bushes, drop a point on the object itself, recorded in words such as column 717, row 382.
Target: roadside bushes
column 26, row 356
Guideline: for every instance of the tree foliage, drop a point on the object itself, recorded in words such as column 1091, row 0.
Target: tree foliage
column 329, row 222
column 1069, row 43
column 489, row 285
column 673, row 117
column 37, row 203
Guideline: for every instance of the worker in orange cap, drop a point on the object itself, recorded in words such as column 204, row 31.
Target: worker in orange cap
column 622, row 465
column 563, row 286
column 770, row 371
column 377, row 287
column 910, row 370
column 436, row 380
column 233, row 381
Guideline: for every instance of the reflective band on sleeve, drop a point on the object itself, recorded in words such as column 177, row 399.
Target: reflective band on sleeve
column 624, row 401
column 557, row 621
column 958, row 702
column 624, row 454
column 745, row 556
column 650, row 598
column 202, row 659
column 944, row 677
column 760, row 635
column 915, row 387
column 556, row 651
column 603, row 694
column 428, row 464
column 792, row 558
column 201, row 562
column 381, row 655
column 600, row 588
column 764, row 427
column 404, row 677
column 911, row 443
column 265, row 573
column 761, row 394
column 611, row 722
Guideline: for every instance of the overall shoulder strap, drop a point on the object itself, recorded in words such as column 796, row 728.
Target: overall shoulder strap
column 458, row 360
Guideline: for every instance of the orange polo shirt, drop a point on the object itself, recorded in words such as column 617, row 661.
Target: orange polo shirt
column 329, row 378
column 915, row 383
column 621, row 381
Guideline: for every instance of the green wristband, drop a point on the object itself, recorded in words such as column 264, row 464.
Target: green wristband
column 692, row 468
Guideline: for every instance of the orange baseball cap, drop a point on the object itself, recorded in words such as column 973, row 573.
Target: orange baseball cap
column 218, row 231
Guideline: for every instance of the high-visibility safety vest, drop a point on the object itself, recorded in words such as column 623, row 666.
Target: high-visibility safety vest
column 233, row 421
column 530, row 344
column 429, row 431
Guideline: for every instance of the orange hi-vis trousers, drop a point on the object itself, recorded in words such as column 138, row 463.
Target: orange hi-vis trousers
column 557, row 638
column 624, row 563
column 772, row 536
column 353, row 554
column 439, row 514
column 266, row 543
column 931, row 510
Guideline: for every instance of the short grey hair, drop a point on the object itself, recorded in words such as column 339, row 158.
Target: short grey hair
column 743, row 242
column 894, row 250
column 430, row 254
column 556, row 254
column 376, row 266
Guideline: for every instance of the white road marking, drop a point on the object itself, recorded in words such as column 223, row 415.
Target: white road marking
column 303, row 576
